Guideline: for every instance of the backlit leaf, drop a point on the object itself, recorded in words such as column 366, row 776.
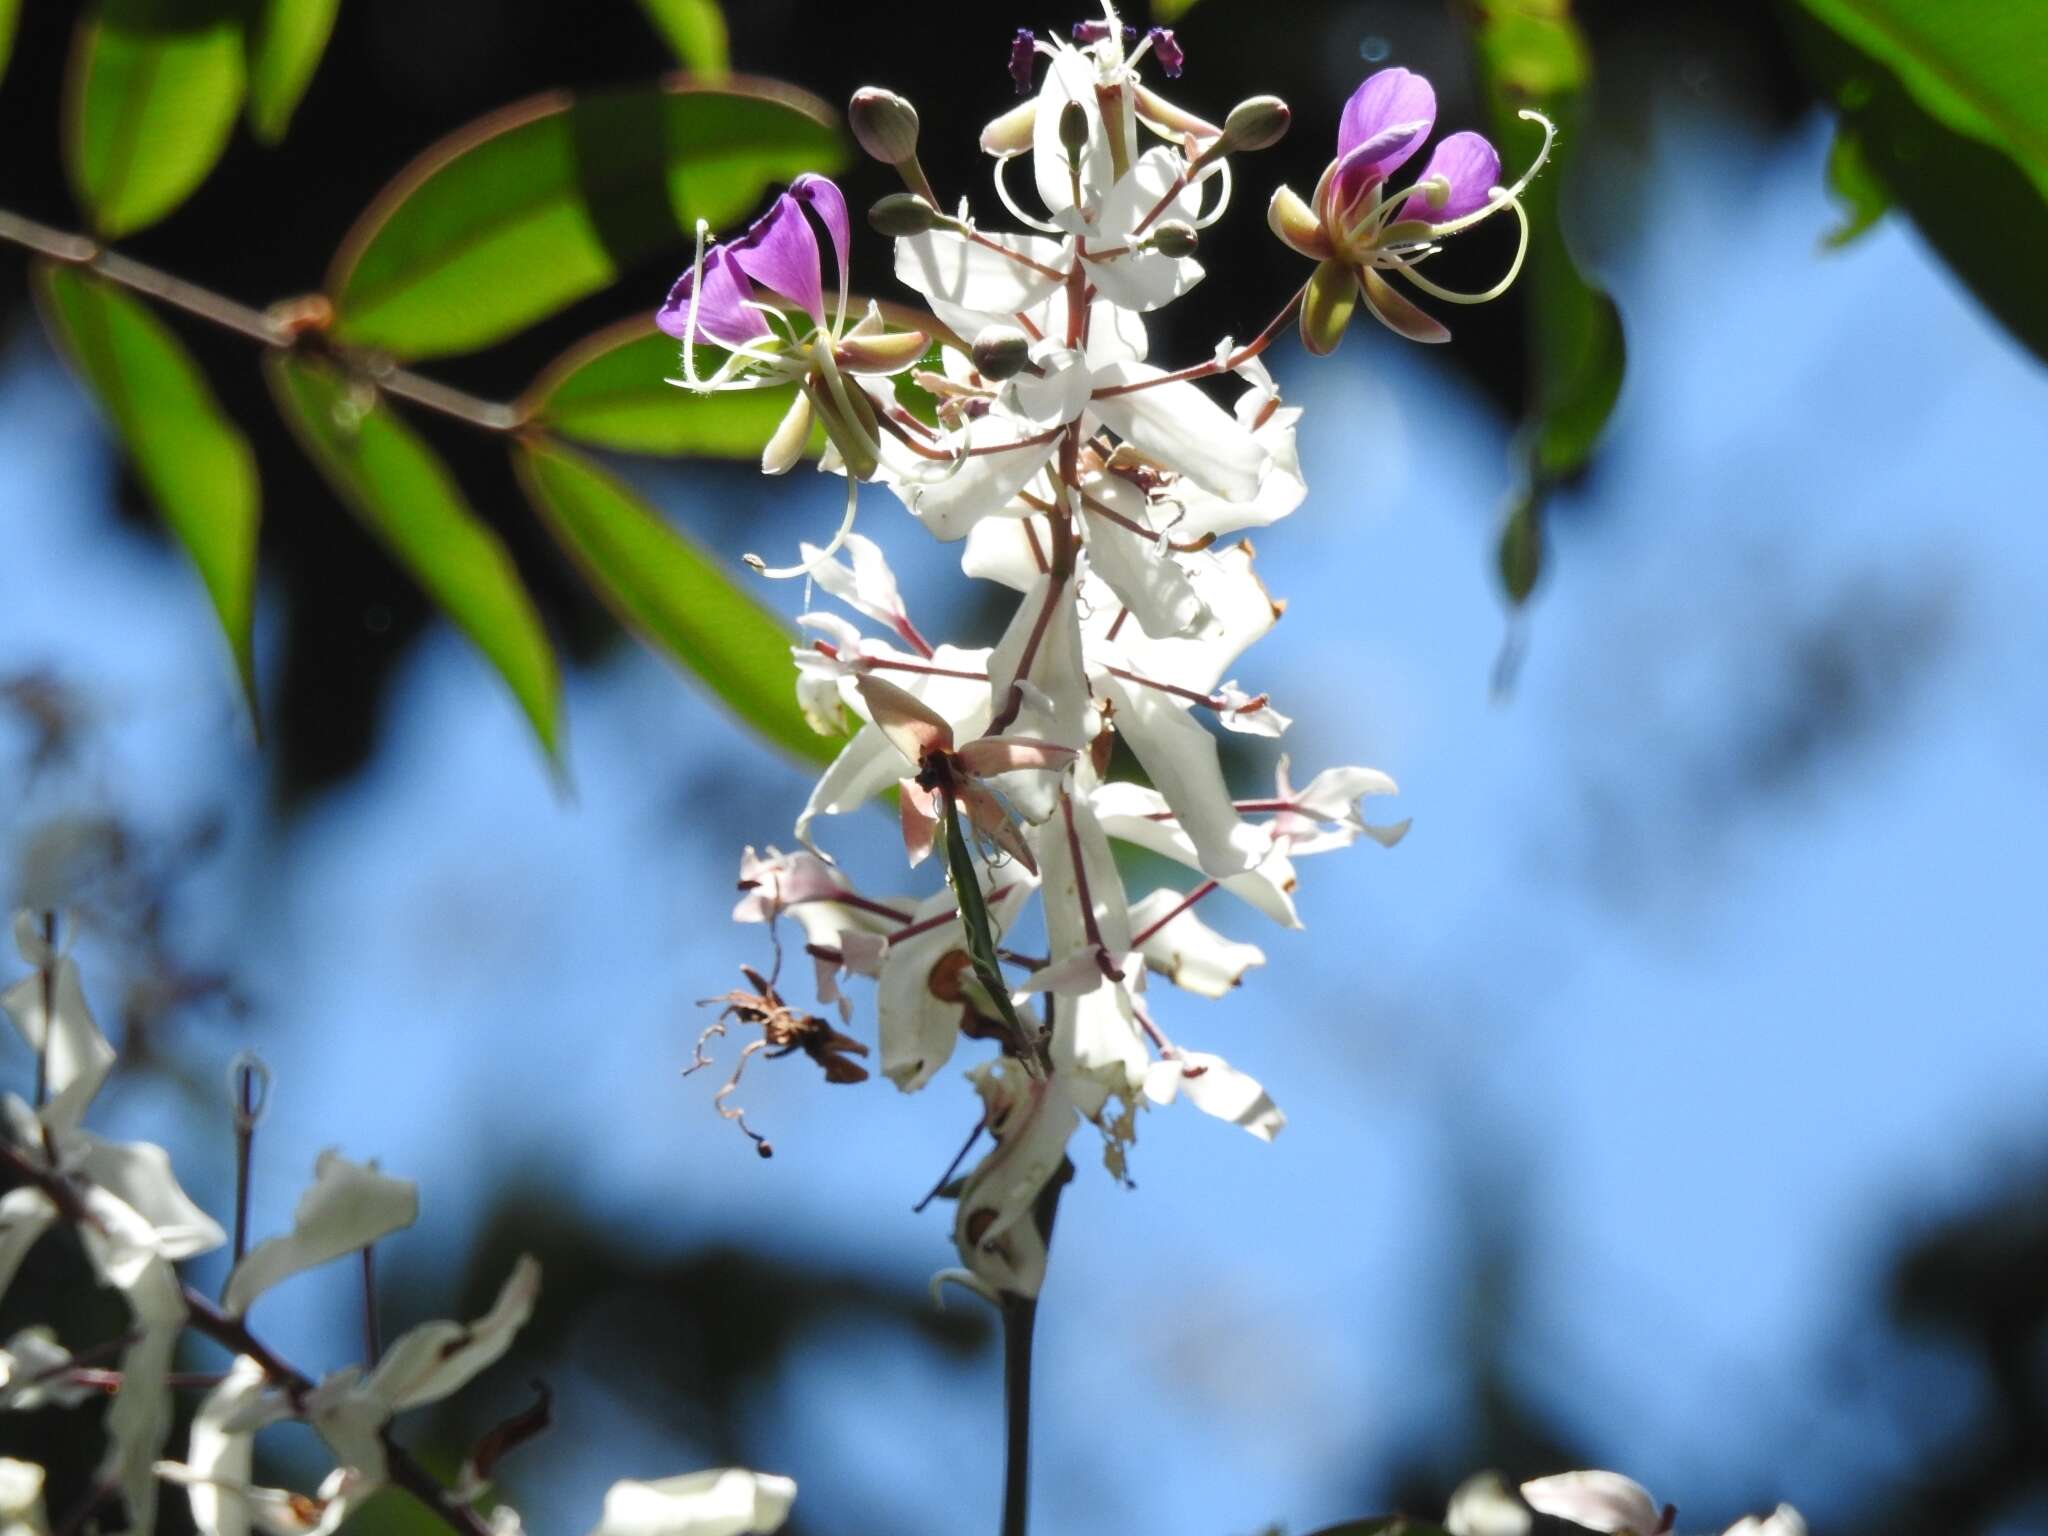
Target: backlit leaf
column 286, row 39
column 695, row 30
column 1855, row 186
column 546, row 202
column 10, row 14
column 1532, row 54
column 194, row 461
column 151, row 98
column 1946, row 105
column 398, row 486
column 670, row 592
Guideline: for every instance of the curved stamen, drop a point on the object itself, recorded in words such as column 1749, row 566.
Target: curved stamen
column 1407, row 269
column 1223, row 171
column 1043, row 226
column 1521, row 183
column 805, row 568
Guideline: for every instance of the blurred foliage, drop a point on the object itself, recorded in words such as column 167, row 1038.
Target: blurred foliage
column 286, row 39
column 695, row 31
column 1944, row 107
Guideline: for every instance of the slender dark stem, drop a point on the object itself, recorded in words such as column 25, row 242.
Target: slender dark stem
column 73, row 250
column 1242, row 355
column 48, row 981
column 1020, row 1316
column 373, row 1342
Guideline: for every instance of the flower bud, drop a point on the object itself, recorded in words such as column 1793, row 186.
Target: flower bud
column 882, row 352
column 903, row 213
column 1001, row 352
column 1327, row 305
column 1258, row 123
column 1073, row 129
column 1011, row 134
column 884, row 124
column 785, row 449
column 1174, row 238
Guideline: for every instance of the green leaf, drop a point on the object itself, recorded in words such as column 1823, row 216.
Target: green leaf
column 1856, row 187
column 286, row 39
column 150, row 100
column 1946, row 105
column 1532, row 55
column 612, row 391
column 974, row 922
column 194, row 461
column 10, row 14
column 400, row 488
column 673, row 594
column 1166, row 12
column 547, row 202
column 695, row 30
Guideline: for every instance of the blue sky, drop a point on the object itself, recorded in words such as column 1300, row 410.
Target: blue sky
column 1714, row 1000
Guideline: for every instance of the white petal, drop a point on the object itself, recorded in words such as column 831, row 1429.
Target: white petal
column 1066, row 925
column 731, row 1502
column 1600, row 1501
column 1131, row 813
column 1071, row 78
column 993, row 1228
column 25, row 1215
column 139, row 1420
column 1215, row 1088
column 1053, row 397
column 1240, row 608
column 31, row 1373
column 79, row 1057
column 1184, row 429
column 1001, row 549
column 953, row 270
column 1145, row 280
column 431, row 1361
column 1187, row 951
column 1181, row 758
column 1097, row 1047
column 139, row 1176
column 865, row 583
column 1144, row 575
column 1483, row 1505
column 1281, row 488
column 21, row 1498
column 1249, row 716
column 917, row 1028
column 1782, row 1521
column 983, row 485
column 220, row 1455
column 349, row 1206
column 1055, row 707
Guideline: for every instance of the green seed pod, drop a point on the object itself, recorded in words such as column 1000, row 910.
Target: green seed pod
column 903, row 213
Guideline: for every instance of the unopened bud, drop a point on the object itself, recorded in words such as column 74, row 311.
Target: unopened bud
column 1174, row 238
column 903, row 213
column 1258, row 123
column 1011, row 133
column 884, row 124
column 1073, row 129
column 1000, row 352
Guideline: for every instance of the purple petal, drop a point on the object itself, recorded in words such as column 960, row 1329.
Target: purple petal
column 822, row 196
column 1023, row 58
column 780, row 252
column 722, row 313
column 1172, row 60
column 1388, row 99
column 1367, row 165
column 1470, row 165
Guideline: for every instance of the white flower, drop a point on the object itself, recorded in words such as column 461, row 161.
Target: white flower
column 995, row 1226
column 731, row 1502
column 1782, row 1521
column 33, row 1370
column 348, row 1206
column 75, row 1056
column 218, row 1457
column 1600, row 1501
column 1187, row 951
column 21, row 1498
column 1216, row 1088
column 1483, row 1505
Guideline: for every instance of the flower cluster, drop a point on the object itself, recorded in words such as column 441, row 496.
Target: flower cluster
column 135, row 1223
column 1105, row 491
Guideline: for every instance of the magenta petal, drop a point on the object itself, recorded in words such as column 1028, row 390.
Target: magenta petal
column 780, row 252
column 1367, row 165
column 822, row 196
column 722, row 313
column 1391, row 98
column 1471, row 166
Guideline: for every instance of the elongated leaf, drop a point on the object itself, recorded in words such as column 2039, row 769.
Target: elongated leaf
column 974, row 922
column 612, row 392
column 152, row 95
column 399, row 487
column 286, row 39
column 194, row 461
column 1168, row 11
column 695, row 29
column 10, row 15
column 675, row 596
column 1947, row 107
column 545, row 203
column 1531, row 54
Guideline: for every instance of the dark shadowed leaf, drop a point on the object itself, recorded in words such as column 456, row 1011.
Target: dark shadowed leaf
column 1856, row 187
column 544, row 203
column 1531, row 54
column 399, row 487
column 1168, row 11
column 1947, row 108
column 151, row 98
column 695, row 30
column 671, row 593
column 196, row 464
column 1382, row 1525
column 612, row 392
column 286, row 39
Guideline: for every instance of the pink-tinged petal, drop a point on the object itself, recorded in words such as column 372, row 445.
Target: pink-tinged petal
column 913, row 727
column 1600, row 1501
column 722, row 313
column 993, row 822
column 1390, row 98
column 920, row 809
column 1397, row 313
column 822, row 196
column 780, row 252
column 999, row 754
column 1471, row 168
